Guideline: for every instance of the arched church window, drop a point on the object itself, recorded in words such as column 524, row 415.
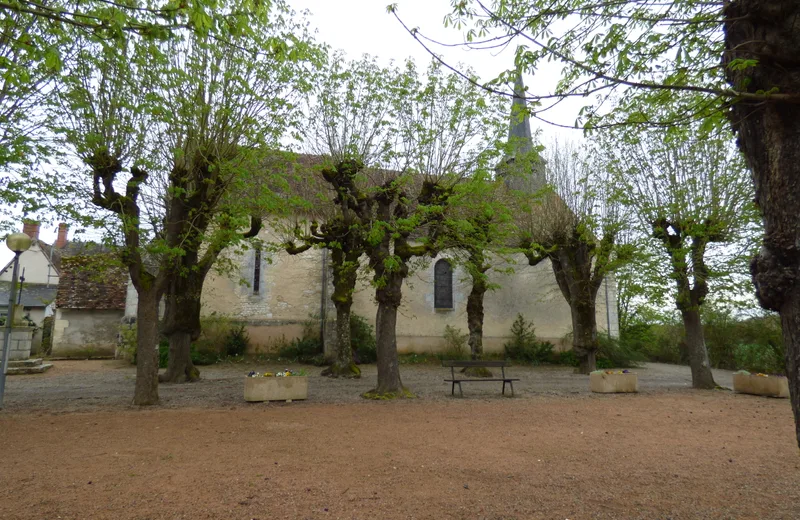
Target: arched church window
column 257, row 271
column 443, row 285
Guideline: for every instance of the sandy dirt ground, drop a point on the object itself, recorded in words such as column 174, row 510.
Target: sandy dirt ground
column 73, row 448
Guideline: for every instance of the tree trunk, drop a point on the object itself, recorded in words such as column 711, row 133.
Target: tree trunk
column 698, row 354
column 790, row 321
column 475, row 319
column 182, row 325
column 180, row 368
column 584, row 334
column 146, row 392
column 345, row 275
column 343, row 365
column 388, row 363
column 769, row 136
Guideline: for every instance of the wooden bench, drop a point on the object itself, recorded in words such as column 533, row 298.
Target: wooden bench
column 453, row 364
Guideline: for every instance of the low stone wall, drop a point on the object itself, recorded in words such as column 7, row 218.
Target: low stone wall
column 20, row 347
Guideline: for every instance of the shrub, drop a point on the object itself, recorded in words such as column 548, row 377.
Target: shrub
column 455, row 344
column 523, row 345
column 163, row 353
column 126, row 342
column 306, row 349
column 237, row 341
column 617, row 354
column 362, row 340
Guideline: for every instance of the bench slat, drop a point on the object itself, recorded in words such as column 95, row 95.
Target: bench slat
column 474, row 363
column 478, row 380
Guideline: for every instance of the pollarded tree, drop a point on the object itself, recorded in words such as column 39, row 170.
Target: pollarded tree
column 697, row 59
column 436, row 136
column 690, row 192
column 349, row 127
column 448, row 131
column 113, row 116
column 477, row 229
column 223, row 102
column 574, row 225
column 103, row 118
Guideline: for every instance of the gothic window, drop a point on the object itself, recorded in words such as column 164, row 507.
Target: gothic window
column 442, row 285
column 257, row 272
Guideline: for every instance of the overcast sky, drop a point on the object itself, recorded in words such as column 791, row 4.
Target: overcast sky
column 364, row 27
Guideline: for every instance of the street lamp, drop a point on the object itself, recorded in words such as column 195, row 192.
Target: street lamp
column 19, row 243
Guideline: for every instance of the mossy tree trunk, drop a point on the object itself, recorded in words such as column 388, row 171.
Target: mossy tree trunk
column 389, row 298
column 769, row 136
column 345, row 271
column 477, row 267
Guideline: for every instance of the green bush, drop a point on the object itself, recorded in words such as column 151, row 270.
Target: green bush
column 362, row 340
column 455, row 344
column 237, row 341
column 768, row 359
column 163, row 353
column 306, row 349
column 523, row 345
column 617, row 354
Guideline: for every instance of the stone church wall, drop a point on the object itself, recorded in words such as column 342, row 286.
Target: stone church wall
column 290, row 295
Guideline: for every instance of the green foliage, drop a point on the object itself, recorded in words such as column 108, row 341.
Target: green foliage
column 754, row 344
column 163, row 353
column 237, row 341
column 523, row 345
column 305, row 349
column 617, row 354
column 126, row 342
column 362, row 339
column 455, row 344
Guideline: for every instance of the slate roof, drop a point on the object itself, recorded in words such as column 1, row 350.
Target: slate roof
column 33, row 295
column 91, row 281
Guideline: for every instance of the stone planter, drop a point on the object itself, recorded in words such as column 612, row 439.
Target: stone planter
column 772, row 386
column 275, row 388
column 603, row 383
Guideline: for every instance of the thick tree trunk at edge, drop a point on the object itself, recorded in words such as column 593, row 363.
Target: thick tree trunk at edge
column 769, row 136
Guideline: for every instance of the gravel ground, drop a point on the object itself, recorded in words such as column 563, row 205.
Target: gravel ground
column 668, row 455
column 89, row 385
column 79, row 451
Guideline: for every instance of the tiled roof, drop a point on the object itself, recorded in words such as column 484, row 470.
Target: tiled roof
column 92, row 281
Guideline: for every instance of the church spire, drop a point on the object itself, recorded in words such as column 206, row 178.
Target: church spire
column 522, row 169
column 519, row 130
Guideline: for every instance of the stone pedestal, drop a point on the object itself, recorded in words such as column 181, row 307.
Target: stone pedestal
column 20, row 346
column 603, row 383
column 275, row 388
column 772, row 386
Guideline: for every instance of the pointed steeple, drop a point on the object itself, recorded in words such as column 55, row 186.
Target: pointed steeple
column 519, row 130
column 521, row 168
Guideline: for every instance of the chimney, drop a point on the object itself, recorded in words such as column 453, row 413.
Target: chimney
column 31, row 228
column 61, row 241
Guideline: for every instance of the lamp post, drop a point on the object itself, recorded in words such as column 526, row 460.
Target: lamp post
column 18, row 243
